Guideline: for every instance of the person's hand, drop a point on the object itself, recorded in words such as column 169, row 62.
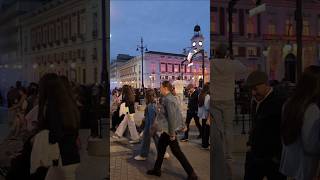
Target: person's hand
column 208, row 122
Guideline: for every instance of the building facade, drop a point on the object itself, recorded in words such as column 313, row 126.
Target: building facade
column 267, row 41
column 11, row 64
column 63, row 37
column 158, row 67
column 114, row 68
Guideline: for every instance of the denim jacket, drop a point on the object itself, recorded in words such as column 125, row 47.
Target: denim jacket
column 150, row 115
column 169, row 114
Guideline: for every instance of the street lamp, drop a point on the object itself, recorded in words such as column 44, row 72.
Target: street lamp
column 142, row 48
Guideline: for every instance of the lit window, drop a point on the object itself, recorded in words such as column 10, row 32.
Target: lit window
column 234, row 24
column 169, row 68
column 306, row 28
column 289, row 27
column 271, row 28
column 176, row 68
column 163, row 67
column 250, row 25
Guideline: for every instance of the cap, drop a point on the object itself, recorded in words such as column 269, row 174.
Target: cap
column 256, row 78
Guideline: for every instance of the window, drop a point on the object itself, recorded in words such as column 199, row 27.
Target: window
column 289, row 27
column 169, row 68
column 183, row 68
column 176, row 68
column 95, row 25
column 252, row 51
column 234, row 24
column 84, row 79
column 163, row 67
column 306, row 28
column 83, row 24
column 235, row 51
column 250, row 25
column 214, row 25
column 59, row 31
column 271, row 28
column 153, row 67
column 188, row 69
column 242, row 52
column 74, row 25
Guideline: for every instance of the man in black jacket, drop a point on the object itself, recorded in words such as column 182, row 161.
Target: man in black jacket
column 264, row 145
column 192, row 111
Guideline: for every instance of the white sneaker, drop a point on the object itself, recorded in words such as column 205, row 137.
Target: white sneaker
column 115, row 137
column 140, row 158
column 166, row 156
column 134, row 141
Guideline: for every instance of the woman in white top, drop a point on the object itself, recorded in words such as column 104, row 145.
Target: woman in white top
column 203, row 112
column 301, row 128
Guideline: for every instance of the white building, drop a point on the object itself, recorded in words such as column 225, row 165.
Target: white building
column 64, row 37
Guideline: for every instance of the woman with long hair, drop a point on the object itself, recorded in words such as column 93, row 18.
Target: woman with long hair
column 301, row 128
column 203, row 112
column 128, row 100
column 59, row 114
column 149, row 131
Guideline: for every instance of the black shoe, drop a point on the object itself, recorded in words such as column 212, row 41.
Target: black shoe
column 184, row 139
column 193, row 176
column 154, row 172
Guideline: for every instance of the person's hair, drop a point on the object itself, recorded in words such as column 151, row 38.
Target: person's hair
column 307, row 91
column 150, row 96
column 168, row 85
column 53, row 92
column 205, row 90
column 128, row 92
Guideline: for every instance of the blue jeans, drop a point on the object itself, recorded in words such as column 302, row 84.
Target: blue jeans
column 146, row 141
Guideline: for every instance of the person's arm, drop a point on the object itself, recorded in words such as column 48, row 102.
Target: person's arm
column 240, row 68
column 150, row 116
column 171, row 117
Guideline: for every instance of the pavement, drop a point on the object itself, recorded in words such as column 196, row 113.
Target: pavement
column 124, row 167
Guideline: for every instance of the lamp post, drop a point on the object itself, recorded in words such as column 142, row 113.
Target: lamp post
column 142, row 48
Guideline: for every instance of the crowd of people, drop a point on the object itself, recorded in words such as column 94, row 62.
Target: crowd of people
column 163, row 120
column 47, row 117
column 284, row 139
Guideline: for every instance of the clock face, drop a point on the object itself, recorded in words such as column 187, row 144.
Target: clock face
column 194, row 44
column 200, row 43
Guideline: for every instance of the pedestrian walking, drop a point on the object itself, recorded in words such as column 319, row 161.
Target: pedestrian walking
column 192, row 112
column 203, row 114
column 179, row 87
column 300, row 128
column 128, row 121
column 264, row 145
column 223, row 74
column 151, row 126
column 168, row 137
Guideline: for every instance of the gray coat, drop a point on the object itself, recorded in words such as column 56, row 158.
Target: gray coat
column 295, row 160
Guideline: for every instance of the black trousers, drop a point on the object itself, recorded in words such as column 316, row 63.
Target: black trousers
column 205, row 133
column 189, row 117
column 165, row 141
column 116, row 120
column 257, row 168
